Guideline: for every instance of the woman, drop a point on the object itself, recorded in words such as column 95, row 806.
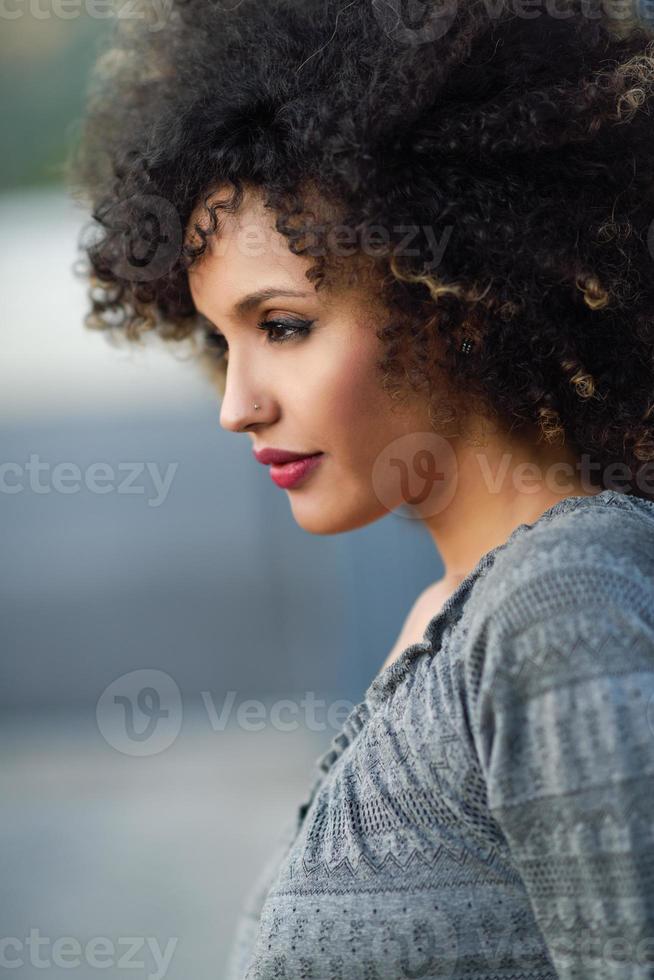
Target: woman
column 420, row 257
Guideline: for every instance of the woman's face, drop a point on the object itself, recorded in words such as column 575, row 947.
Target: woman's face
column 319, row 390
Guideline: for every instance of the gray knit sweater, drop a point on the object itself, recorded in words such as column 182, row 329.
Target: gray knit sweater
column 487, row 811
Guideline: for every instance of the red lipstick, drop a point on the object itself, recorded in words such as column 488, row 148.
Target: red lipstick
column 288, row 468
column 287, row 475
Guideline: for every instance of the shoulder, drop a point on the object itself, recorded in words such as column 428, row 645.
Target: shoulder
column 567, row 596
column 577, row 557
column 425, row 607
column 432, row 599
column 562, row 634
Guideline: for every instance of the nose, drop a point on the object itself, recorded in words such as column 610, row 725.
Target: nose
column 239, row 417
column 237, row 411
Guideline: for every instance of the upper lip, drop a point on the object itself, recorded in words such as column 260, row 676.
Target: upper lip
column 267, row 456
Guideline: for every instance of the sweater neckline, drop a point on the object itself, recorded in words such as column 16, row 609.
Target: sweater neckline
column 387, row 679
column 390, row 676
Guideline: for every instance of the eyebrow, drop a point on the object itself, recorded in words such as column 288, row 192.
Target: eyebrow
column 252, row 300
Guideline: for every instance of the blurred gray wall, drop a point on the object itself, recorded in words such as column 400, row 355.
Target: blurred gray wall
column 217, row 585
column 210, row 579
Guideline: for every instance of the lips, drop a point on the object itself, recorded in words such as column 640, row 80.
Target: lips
column 289, row 475
column 279, row 456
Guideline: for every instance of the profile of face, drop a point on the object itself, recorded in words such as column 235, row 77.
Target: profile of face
column 313, row 370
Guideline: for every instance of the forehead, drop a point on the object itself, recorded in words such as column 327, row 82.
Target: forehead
column 251, row 211
column 248, row 253
column 245, row 251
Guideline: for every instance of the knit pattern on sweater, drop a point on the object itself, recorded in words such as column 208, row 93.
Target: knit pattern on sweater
column 486, row 811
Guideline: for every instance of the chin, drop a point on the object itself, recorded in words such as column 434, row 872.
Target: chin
column 318, row 518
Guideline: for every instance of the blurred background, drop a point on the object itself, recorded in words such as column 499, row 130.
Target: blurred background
column 180, row 585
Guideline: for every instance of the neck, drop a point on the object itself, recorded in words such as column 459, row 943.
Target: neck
column 501, row 483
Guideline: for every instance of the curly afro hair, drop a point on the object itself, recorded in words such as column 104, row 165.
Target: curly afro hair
column 524, row 140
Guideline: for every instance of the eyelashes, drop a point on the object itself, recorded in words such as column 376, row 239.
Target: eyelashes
column 297, row 328
column 216, row 344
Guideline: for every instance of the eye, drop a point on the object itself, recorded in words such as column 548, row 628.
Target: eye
column 216, row 344
column 296, row 328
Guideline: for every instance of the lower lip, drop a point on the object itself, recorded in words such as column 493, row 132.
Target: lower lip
column 288, row 475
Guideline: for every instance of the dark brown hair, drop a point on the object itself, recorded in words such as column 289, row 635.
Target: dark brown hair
column 521, row 145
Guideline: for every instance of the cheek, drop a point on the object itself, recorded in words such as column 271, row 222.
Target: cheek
column 351, row 401
column 350, row 388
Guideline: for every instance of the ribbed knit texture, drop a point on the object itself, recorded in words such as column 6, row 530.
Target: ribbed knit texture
column 487, row 811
